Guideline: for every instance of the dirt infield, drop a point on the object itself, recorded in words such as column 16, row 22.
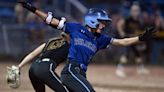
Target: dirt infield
column 102, row 77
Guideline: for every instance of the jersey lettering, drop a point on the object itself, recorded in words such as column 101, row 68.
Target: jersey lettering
column 85, row 43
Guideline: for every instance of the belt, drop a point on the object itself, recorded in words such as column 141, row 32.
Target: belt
column 82, row 66
column 45, row 59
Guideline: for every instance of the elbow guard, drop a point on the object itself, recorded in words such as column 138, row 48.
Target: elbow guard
column 49, row 18
column 60, row 24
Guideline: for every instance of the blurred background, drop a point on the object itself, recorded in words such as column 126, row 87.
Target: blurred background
column 21, row 31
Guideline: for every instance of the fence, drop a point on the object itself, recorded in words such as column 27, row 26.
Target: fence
column 15, row 39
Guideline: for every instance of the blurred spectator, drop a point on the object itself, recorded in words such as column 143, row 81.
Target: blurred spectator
column 147, row 19
column 115, row 18
column 124, row 9
column 128, row 28
column 19, row 14
column 40, row 31
column 35, row 28
column 159, row 21
column 158, row 42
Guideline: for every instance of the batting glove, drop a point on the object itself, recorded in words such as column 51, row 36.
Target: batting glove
column 148, row 34
column 28, row 6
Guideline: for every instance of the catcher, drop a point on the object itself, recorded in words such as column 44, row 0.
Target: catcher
column 41, row 72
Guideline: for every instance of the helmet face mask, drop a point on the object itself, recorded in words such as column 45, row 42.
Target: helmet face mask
column 105, row 22
column 101, row 27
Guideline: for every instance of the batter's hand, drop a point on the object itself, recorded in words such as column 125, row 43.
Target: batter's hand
column 148, row 34
column 28, row 6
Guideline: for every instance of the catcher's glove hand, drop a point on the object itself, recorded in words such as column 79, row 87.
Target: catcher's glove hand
column 13, row 76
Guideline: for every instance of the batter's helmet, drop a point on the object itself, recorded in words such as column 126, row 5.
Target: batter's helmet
column 93, row 15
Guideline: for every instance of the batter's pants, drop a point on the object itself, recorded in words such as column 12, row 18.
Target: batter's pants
column 75, row 78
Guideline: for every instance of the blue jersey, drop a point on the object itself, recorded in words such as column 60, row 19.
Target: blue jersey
column 83, row 44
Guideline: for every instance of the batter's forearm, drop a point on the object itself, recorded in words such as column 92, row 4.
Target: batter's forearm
column 130, row 41
column 48, row 18
column 147, row 35
column 41, row 14
column 125, row 41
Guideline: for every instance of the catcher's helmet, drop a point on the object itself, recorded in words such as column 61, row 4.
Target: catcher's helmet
column 93, row 15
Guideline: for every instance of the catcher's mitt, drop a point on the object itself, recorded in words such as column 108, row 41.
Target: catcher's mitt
column 13, row 76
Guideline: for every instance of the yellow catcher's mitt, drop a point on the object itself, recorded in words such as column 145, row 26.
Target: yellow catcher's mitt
column 13, row 76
